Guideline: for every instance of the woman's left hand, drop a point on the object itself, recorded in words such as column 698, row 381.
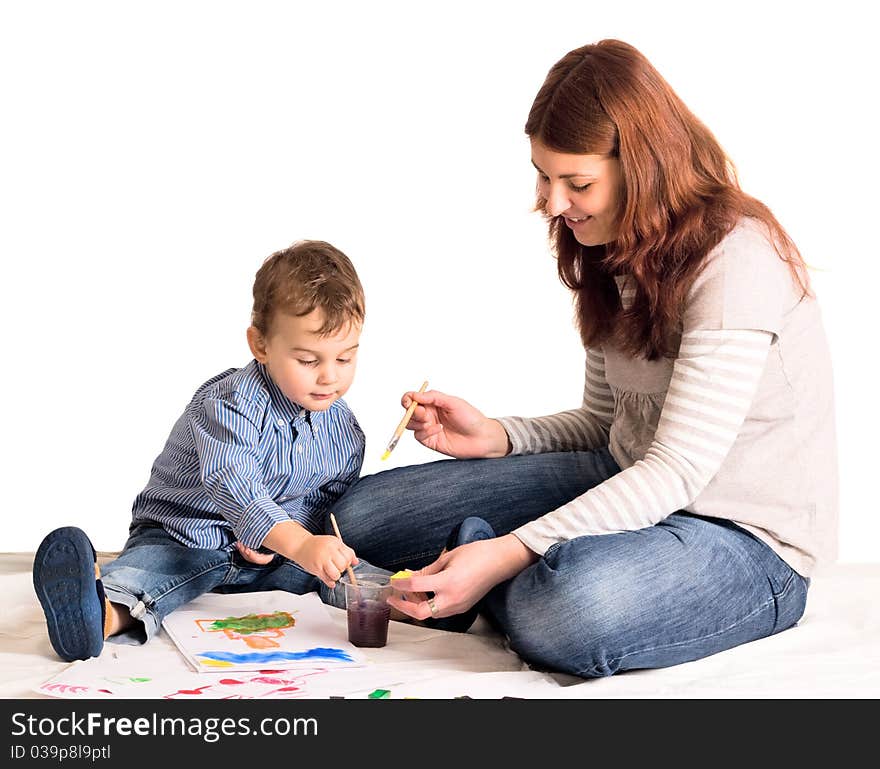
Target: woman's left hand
column 460, row 577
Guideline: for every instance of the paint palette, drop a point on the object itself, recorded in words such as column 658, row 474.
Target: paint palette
column 255, row 631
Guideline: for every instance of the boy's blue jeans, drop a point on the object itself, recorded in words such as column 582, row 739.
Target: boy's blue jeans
column 681, row 590
column 155, row 574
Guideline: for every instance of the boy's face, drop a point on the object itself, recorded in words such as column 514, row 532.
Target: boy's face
column 311, row 370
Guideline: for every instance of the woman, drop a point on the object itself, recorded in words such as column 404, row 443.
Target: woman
column 682, row 508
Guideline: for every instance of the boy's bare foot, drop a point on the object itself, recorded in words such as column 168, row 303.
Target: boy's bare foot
column 117, row 619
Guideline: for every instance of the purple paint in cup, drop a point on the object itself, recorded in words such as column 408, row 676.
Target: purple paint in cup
column 367, row 609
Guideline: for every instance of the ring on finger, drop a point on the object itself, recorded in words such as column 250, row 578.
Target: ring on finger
column 433, row 607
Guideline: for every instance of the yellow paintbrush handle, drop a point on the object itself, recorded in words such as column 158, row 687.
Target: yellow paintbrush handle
column 403, row 422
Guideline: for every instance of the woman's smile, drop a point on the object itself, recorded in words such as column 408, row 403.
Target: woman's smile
column 574, row 222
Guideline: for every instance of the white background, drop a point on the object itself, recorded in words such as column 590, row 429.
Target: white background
column 154, row 154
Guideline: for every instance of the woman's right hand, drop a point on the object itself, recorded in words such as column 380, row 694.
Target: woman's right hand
column 453, row 427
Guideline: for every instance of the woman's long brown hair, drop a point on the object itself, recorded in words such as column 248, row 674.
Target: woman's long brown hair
column 680, row 194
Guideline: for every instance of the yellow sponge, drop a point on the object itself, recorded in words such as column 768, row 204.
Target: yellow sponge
column 402, row 574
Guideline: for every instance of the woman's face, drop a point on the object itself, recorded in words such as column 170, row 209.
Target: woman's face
column 585, row 190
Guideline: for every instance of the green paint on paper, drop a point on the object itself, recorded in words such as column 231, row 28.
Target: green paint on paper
column 380, row 694
column 254, row 623
column 126, row 679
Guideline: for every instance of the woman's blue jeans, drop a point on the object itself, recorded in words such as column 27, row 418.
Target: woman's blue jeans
column 683, row 589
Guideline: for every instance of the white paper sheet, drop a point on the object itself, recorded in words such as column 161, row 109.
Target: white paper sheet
column 255, row 631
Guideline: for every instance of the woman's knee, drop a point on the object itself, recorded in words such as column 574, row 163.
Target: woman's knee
column 385, row 504
column 358, row 507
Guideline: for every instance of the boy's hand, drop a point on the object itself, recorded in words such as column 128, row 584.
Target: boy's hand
column 325, row 556
column 254, row 556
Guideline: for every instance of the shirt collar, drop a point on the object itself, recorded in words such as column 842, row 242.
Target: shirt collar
column 289, row 409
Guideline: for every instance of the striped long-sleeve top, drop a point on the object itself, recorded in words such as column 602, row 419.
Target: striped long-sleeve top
column 242, row 457
column 738, row 425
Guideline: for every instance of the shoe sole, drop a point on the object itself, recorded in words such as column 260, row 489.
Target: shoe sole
column 65, row 581
column 471, row 529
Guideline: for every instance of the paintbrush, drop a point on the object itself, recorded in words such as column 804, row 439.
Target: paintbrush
column 403, row 422
column 348, row 568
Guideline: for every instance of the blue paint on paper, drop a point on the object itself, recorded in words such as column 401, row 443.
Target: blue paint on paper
column 320, row 653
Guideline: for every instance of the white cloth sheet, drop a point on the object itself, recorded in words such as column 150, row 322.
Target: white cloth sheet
column 834, row 652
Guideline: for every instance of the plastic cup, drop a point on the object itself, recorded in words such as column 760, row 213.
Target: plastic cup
column 367, row 608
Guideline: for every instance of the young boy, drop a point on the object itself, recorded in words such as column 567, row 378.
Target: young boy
column 238, row 498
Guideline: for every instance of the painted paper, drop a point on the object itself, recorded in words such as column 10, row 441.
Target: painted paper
column 255, row 631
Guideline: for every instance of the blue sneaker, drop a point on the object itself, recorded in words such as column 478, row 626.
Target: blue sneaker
column 471, row 529
column 66, row 580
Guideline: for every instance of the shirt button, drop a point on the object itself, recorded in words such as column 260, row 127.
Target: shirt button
column 280, row 422
column 299, row 449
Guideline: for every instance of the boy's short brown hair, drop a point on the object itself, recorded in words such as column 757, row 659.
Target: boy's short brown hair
column 308, row 275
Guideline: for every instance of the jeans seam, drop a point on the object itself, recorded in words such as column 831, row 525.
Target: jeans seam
column 787, row 586
column 765, row 571
column 411, row 558
column 179, row 585
column 591, row 671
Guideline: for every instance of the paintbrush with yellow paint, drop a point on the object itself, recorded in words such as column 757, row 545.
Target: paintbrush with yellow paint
column 403, row 422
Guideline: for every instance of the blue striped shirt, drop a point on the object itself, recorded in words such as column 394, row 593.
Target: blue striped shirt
column 243, row 457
